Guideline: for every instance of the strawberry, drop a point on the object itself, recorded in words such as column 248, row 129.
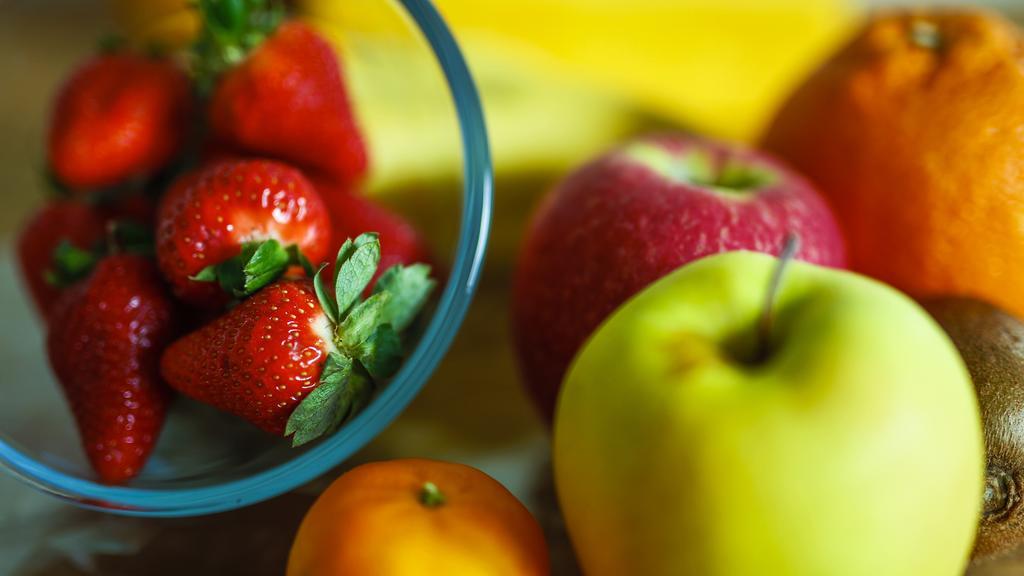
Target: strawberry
column 119, row 117
column 105, row 337
column 233, row 222
column 297, row 359
column 287, row 99
column 75, row 227
column 352, row 214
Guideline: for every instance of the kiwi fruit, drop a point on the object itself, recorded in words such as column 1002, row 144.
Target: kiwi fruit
column 991, row 343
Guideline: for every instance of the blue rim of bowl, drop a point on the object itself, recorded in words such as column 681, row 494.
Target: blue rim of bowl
column 392, row 400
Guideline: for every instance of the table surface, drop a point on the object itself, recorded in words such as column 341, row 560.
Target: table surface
column 490, row 425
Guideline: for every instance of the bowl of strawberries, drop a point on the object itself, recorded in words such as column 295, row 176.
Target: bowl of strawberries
column 210, row 305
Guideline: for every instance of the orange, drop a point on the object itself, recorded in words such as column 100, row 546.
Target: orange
column 413, row 517
column 915, row 134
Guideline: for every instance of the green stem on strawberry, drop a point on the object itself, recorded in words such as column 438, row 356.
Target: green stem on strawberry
column 131, row 237
column 230, row 29
column 366, row 334
column 70, row 264
column 256, row 265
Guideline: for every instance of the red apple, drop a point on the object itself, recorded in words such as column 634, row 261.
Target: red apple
column 637, row 213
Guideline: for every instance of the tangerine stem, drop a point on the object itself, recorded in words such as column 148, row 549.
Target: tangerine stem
column 431, row 496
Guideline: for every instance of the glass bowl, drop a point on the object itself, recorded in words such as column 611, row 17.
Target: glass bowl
column 205, row 461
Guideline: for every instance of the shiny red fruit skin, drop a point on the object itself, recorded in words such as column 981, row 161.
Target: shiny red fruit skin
column 207, row 215
column 353, row 214
column 258, row 360
column 105, row 337
column 615, row 226
column 288, row 100
column 119, row 116
column 79, row 224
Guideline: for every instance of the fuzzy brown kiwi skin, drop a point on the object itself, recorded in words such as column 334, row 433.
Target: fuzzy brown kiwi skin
column 991, row 343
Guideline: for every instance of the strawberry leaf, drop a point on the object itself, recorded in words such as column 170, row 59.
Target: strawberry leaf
column 409, row 287
column 258, row 264
column 367, row 334
column 357, row 263
column 326, row 302
column 224, row 16
column 345, row 389
column 268, row 262
column 298, row 258
column 208, row 274
column 70, row 264
column 381, row 353
column 131, row 237
column 323, row 410
column 344, row 253
column 230, row 29
column 358, row 391
column 361, row 323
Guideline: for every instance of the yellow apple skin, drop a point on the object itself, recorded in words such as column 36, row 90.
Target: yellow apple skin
column 853, row 449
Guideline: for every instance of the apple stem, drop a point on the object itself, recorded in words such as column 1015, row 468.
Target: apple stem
column 764, row 326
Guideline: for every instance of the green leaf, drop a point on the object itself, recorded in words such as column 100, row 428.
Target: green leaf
column 230, row 29
column 257, row 265
column 358, row 392
column 268, row 262
column 356, row 265
column 344, row 253
column 409, row 287
column 208, row 274
column 367, row 334
column 69, row 264
column 231, row 274
column 132, row 237
column 326, row 301
column 327, row 405
column 227, row 16
column 345, row 389
column 297, row 258
column 362, row 322
column 381, row 353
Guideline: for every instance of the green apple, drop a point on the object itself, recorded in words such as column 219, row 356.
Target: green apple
column 844, row 440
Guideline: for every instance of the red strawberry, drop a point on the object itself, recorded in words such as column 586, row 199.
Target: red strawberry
column 78, row 225
column 217, row 214
column 353, row 214
column 120, row 116
column 288, row 100
column 105, row 337
column 296, row 340
column 260, row 359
